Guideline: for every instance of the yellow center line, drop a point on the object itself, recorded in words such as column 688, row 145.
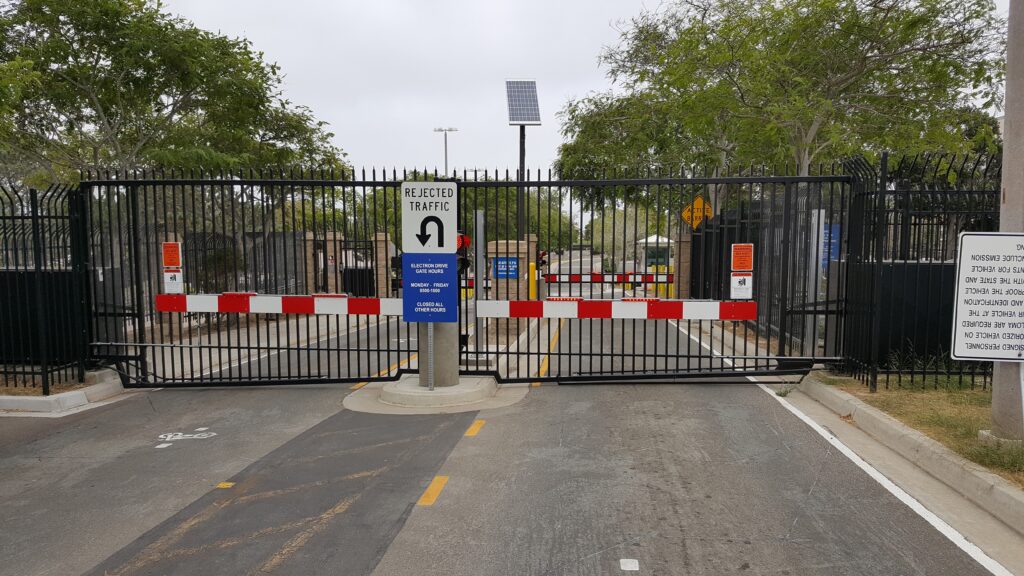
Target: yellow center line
column 475, row 427
column 433, row 491
column 225, row 485
column 386, row 371
column 547, row 358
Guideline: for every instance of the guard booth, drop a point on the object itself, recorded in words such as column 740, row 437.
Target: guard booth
column 656, row 261
column 655, row 253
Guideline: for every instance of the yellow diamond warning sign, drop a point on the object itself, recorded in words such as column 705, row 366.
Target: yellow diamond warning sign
column 696, row 212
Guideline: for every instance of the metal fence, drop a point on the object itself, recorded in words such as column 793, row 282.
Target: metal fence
column 906, row 218
column 42, row 318
column 853, row 267
column 303, row 233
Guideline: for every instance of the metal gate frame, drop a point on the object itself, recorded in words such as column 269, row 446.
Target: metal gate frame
column 130, row 214
column 770, row 345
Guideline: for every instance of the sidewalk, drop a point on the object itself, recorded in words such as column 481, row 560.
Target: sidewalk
column 977, row 525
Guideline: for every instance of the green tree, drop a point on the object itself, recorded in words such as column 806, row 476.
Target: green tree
column 797, row 81
column 15, row 76
column 122, row 85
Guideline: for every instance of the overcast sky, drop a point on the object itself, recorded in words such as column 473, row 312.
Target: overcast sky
column 385, row 73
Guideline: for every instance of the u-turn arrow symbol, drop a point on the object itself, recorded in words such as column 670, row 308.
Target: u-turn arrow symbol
column 424, row 237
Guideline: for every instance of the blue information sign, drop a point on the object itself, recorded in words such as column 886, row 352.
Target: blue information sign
column 430, row 285
column 830, row 232
column 506, row 267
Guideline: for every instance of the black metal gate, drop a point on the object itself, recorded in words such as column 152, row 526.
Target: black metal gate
column 293, row 235
column 622, row 238
column 588, row 289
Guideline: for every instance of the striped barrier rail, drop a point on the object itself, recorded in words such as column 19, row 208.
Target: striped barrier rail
column 339, row 304
column 595, row 278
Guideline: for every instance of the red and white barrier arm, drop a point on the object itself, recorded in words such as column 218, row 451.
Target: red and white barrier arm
column 640, row 309
column 594, row 278
column 471, row 283
column 247, row 303
column 337, row 304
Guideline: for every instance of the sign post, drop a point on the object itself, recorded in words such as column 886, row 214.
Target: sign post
column 1008, row 377
column 430, row 276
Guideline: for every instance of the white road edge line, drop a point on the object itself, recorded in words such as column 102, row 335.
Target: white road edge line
column 939, row 524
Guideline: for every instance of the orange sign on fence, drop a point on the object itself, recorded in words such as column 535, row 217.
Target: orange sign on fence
column 172, row 254
column 743, row 257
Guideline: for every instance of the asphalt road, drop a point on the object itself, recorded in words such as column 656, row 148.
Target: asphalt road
column 687, row 480
column 327, row 502
column 691, row 479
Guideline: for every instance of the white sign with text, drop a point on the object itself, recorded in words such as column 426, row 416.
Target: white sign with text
column 429, row 217
column 988, row 313
column 741, row 286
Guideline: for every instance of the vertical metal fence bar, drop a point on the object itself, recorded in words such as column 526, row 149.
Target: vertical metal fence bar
column 41, row 335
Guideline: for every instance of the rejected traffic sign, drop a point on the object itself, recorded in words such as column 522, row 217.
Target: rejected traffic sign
column 429, row 217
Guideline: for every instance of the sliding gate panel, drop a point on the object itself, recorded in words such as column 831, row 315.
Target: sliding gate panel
column 656, row 250
column 295, row 277
column 245, row 237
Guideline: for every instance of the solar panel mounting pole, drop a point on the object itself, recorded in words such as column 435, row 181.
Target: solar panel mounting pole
column 523, row 110
column 521, row 191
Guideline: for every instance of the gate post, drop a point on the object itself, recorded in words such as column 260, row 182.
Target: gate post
column 683, row 260
column 41, row 316
column 787, row 193
column 80, row 269
column 382, row 263
column 523, row 251
column 134, row 246
column 880, row 231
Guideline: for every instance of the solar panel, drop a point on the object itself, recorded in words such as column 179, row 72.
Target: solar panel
column 522, row 102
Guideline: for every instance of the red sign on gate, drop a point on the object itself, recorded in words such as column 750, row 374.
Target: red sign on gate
column 743, row 257
column 172, row 254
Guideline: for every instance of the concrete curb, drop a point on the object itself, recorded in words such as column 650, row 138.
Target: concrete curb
column 989, row 491
column 407, row 392
column 101, row 384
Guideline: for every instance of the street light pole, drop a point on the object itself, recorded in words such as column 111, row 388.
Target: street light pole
column 446, row 131
column 1007, row 379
